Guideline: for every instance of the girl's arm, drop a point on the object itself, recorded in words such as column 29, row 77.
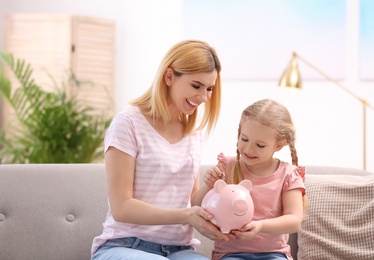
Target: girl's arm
column 210, row 177
column 198, row 196
column 289, row 222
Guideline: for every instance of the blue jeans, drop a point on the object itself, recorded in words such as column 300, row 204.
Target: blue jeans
column 254, row 256
column 134, row 248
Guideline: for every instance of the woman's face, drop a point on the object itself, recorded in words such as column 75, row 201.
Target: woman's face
column 188, row 91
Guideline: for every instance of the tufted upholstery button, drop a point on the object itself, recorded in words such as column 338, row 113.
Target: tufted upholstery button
column 70, row 217
column 2, row 217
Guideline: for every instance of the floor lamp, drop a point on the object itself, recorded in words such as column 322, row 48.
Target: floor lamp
column 291, row 79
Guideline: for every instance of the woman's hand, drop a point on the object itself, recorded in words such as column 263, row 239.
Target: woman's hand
column 212, row 175
column 200, row 220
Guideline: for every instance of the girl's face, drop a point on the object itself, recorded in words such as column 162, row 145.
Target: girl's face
column 257, row 144
column 188, row 91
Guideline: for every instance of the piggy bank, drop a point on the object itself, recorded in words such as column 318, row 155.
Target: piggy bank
column 230, row 204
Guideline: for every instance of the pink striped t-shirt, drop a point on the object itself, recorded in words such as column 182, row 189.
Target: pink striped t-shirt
column 164, row 176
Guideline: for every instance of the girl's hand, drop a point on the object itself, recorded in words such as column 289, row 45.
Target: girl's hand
column 248, row 231
column 212, row 175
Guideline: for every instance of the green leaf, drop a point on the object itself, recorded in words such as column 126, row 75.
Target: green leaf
column 50, row 127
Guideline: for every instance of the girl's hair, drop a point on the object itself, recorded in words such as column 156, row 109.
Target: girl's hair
column 273, row 115
column 185, row 57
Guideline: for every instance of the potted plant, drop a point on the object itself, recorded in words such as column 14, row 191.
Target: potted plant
column 51, row 127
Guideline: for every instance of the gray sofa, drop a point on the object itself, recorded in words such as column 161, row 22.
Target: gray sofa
column 53, row 211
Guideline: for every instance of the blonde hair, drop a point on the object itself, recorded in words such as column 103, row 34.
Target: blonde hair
column 185, row 57
column 273, row 115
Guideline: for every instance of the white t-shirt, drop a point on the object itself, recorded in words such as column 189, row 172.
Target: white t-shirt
column 164, row 176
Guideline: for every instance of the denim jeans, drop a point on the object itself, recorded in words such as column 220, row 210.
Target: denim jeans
column 255, row 256
column 134, row 248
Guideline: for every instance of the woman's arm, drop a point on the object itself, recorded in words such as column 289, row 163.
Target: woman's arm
column 125, row 208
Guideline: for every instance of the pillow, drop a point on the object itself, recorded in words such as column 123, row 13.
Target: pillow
column 340, row 218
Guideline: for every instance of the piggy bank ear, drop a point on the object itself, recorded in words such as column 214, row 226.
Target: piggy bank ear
column 219, row 185
column 246, row 184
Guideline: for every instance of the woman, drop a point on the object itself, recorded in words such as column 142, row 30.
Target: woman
column 152, row 157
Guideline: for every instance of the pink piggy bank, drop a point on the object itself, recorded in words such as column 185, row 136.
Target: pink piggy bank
column 231, row 205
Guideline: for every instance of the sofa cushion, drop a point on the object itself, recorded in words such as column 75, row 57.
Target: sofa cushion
column 51, row 211
column 339, row 222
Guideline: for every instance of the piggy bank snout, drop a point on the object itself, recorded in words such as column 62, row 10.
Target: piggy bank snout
column 240, row 205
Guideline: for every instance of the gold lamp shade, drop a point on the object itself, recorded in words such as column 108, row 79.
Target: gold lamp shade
column 291, row 78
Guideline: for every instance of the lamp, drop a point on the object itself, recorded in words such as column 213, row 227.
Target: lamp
column 291, row 79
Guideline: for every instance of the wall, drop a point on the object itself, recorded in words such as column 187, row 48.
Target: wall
column 328, row 121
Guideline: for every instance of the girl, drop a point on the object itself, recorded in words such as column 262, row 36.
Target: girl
column 152, row 156
column 278, row 188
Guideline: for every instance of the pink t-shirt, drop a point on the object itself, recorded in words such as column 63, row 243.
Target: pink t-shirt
column 267, row 198
column 165, row 175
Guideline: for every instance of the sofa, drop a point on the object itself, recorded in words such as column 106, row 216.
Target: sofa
column 53, row 211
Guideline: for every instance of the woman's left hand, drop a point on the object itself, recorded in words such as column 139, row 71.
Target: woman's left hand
column 200, row 220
